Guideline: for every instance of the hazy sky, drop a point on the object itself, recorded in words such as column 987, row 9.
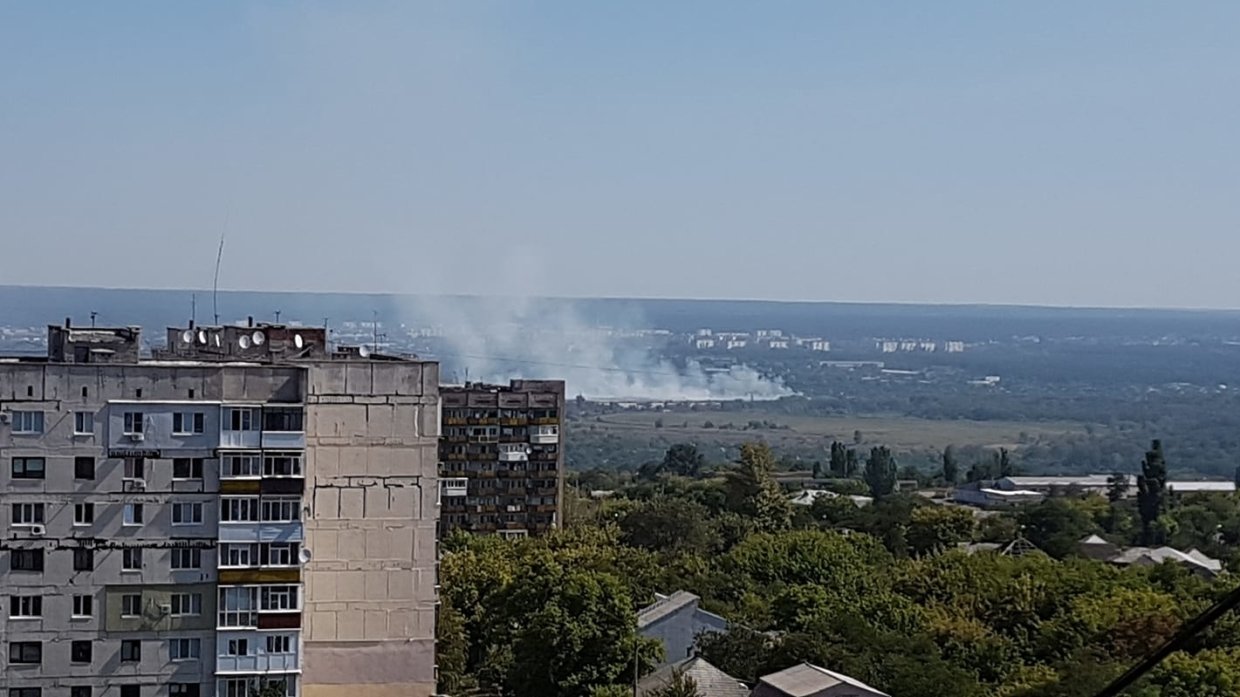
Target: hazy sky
column 1039, row 152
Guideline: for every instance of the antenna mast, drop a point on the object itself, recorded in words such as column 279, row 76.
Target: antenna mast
column 215, row 286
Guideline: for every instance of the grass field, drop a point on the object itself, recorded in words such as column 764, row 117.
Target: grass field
column 898, row 432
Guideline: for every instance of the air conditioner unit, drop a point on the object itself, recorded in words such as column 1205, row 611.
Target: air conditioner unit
column 135, row 485
column 165, row 610
column 37, row 530
column 137, row 437
column 5, row 417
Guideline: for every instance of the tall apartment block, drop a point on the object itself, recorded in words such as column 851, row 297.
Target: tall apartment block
column 501, row 458
column 245, row 510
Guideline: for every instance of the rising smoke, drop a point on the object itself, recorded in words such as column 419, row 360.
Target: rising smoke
column 498, row 339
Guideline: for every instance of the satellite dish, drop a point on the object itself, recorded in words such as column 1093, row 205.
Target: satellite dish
column 187, row 336
column 304, row 555
column 363, row 351
column 202, row 337
column 218, row 341
column 258, row 338
column 244, row 342
column 298, row 341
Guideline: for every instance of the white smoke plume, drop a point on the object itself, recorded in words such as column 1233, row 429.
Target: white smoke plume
column 498, row 339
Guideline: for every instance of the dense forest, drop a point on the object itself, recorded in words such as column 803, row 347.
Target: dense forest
column 885, row 593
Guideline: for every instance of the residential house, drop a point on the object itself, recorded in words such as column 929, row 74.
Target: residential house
column 806, row 680
column 676, row 621
column 709, row 680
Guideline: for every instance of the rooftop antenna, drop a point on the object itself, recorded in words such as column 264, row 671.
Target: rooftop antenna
column 215, row 286
column 193, row 309
column 277, row 316
column 93, row 314
column 374, row 326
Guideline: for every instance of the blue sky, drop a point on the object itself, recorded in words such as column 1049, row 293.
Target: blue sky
column 1045, row 153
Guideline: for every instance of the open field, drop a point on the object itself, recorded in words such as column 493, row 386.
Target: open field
column 898, row 432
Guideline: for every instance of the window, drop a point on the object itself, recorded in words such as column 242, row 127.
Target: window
column 238, row 606
column 137, row 393
column 79, row 691
column 27, row 692
column 187, row 514
column 27, row 422
column 279, row 643
column 238, row 647
column 131, row 691
column 135, row 468
column 83, row 513
column 131, row 605
column 182, row 689
column 131, row 559
column 80, row 652
column 281, row 509
column 27, row 514
column 283, row 419
column 131, row 650
column 26, row 652
column 278, row 554
column 279, row 598
column 25, row 606
column 28, row 467
column 188, row 423
column 133, row 423
column 84, row 468
column 242, row 419
column 186, row 604
column 186, row 558
column 83, row 559
column 187, row 468
column 83, row 606
column 239, row 509
column 237, row 555
column 184, row 649
column 26, row 560
column 282, row 465
column 83, row 423
column 241, row 465
column 133, row 514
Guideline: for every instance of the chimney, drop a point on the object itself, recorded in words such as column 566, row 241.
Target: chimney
column 68, row 323
column 250, row 319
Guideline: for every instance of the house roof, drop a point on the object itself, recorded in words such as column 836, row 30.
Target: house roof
column 1094, row 540
column 664, row 606
column 711, row 682
column 807, row 679
column 1158, row 555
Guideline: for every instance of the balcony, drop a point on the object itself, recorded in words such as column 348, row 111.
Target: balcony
column 241, row 439
column 257, row 659
column 285, row 440
column 456, row 486
column 513, row 452
column 261, row 532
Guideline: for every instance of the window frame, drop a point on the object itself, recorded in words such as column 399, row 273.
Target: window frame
column 83, row 423
column 27, row 422
column 131, row 651
column 133, row 515
column 272, row 506
column 196, row 513
column 128, row 603
column 243, row 505
column 79, row 469
column 133, row 423
column 131, row 559
column 248, row 463
column 19, row 649
column 83, row 607
column 33, row 609
column 84, row 514
column 81, row 553
column 193, row 472
column 21, row 467
column 177, row 561
column 75, row 645
column 189, row 423
column 185, row 605
column 27, row 514
column 182, row 649
column 35, row 555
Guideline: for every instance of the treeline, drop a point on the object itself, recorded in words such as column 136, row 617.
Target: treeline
column 883, row 592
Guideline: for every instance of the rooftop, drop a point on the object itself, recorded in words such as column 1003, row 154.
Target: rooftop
column 806, row 679
column 664, row 606
column 710, row 681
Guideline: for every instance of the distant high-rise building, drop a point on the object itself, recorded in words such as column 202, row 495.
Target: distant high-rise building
column 501, row 457
column 247, row 508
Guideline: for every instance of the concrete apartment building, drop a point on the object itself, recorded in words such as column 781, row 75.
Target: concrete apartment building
column 246, row 508
column 501, row 460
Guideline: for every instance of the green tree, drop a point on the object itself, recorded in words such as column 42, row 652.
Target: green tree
column 451, row 649
column 684, row 459
column 880, row 472
column 937, row 528
column 1152, row 493
column 850, row 463
column 839, row 460
column 668, row 524
column 858, row 439
column 1117, row 487
column 752, row 490
column 680, row 685
column 1057, row 525
column 951, row 470
column 269, row 688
